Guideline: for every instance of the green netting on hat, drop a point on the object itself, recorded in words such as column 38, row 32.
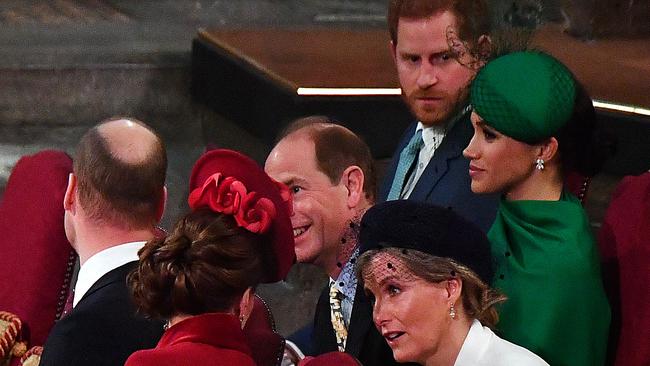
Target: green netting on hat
column 528, row 95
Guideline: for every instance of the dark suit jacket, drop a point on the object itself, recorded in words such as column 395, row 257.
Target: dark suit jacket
column 364, row 341
column 445, row 181
column 103, row 328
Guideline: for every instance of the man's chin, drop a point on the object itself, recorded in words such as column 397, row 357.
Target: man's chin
column 432, row 119
column 305, row 256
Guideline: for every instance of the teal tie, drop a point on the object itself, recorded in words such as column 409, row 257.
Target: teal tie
column 406, row 159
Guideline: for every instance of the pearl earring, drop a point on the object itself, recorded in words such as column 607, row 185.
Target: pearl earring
column 539, row 164
column 452, row 311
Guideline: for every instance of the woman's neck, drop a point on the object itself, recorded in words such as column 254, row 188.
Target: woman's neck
column 452, row 341
column 177, row 319
column 545, row 185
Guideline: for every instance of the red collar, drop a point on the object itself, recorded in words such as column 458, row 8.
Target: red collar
column 220, row 330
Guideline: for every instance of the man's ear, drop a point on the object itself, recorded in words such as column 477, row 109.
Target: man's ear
column 160, row 210
column 353, row 179
column 70, row 193
column 548, row 149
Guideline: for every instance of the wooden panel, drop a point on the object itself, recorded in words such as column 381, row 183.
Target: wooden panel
column 315, row 58
column 256, row 86
column 616, row 70
column 251, row 77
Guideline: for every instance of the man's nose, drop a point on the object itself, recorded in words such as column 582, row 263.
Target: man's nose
column 428, row 75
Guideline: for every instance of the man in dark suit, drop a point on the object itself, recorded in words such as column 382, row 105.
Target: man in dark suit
column 438, row 46
column 329, row 171
column 114, row 199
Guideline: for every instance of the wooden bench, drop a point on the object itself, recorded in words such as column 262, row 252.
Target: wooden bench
column 262, row 79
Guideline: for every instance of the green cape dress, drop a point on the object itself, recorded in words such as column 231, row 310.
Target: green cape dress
column 548, row 265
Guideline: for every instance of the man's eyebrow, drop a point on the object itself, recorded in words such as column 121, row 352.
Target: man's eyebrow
column 294, row 180
column 446, row 51
column 405, row 53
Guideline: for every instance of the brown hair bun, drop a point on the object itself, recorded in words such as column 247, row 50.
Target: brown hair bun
column 202, row 266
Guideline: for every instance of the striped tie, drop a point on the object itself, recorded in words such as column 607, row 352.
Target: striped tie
column 406, row 159
column 337, row 318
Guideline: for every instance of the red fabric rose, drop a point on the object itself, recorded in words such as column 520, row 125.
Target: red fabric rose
column 256, row 214
column 221, row 195
column 229, row 196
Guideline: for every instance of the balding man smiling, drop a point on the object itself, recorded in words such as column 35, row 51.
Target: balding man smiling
column 115, row 197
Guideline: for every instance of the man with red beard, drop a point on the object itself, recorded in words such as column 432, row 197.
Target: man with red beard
column 438, row 46
column 329, row 171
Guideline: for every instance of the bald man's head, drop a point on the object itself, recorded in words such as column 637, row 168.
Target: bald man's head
column 120, row 166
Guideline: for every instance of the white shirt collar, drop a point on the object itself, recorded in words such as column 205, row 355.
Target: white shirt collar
column 346, row 282
column 432, row 135
column 475, row 345
column 103, row 262
column 440, row 130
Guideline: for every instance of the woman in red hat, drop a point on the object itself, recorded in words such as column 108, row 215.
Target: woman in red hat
column 201, row 278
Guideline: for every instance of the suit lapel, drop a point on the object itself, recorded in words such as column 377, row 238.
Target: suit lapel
column 323, row 338
column 451, row 148
column 360, row 323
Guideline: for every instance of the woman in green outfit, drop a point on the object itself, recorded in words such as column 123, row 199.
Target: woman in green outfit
column 527, row 134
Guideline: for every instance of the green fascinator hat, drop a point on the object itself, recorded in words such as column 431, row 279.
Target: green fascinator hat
column 527, row 95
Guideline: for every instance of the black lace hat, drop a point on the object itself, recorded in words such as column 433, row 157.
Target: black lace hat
column 430, row 229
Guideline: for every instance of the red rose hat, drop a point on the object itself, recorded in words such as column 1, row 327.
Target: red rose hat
column 229, row 182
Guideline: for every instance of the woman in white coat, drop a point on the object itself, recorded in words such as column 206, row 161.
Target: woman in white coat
column 426, row 271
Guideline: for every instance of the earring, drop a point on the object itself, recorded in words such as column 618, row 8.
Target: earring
column 452, row 311
column 539, row 164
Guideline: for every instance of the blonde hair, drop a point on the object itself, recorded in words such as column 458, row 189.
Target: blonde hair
column 478, row 298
